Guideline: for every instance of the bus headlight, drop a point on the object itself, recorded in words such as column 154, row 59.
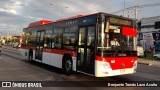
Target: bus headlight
column 105, row 67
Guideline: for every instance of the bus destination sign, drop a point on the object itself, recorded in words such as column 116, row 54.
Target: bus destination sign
column 120, row 21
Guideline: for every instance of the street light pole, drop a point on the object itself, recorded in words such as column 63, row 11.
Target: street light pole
column 124, row 7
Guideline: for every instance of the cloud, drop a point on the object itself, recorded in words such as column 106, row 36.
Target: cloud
column 17, row 14
column 13, row 29
column 12, row 11
column 11, row 6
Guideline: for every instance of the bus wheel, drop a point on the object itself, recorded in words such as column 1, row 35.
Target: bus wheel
column 67, row 65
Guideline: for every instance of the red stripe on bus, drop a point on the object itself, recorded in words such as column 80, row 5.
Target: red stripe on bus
column 118, row 62
column 56, row 51
column 62, row 52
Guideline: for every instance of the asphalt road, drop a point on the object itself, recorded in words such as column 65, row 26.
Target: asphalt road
column 14, row 68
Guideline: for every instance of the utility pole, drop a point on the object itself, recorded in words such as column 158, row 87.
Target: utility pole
column 136, row 12
column 136, row 8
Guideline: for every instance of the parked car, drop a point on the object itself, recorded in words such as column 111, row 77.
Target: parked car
column 16, row 45
column 140, row 51
column 156, row 56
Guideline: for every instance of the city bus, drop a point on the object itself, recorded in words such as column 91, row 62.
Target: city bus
column 82, row 44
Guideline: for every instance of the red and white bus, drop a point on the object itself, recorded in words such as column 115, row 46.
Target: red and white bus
column 83, row 44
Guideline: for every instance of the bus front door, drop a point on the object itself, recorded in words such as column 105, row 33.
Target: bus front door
column 85, row 49
column 39, row 45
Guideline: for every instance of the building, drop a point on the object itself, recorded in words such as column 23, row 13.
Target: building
column 149, row 33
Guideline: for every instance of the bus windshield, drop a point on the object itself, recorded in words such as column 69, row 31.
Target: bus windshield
column 114, row 38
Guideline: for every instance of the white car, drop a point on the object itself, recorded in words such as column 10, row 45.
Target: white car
column 156, row 56
column 140, row 51
column 15, row 45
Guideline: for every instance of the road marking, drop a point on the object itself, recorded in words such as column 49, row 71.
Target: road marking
column 147, row 75
column 50, row 78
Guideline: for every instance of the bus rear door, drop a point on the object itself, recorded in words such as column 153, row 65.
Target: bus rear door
column 39, row 45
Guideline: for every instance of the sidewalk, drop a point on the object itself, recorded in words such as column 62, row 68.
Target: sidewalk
column 11, row 48
column 148, row 62
column 11, row 52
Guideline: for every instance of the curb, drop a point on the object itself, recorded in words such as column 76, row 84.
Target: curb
column 145, row 63
column 11, row 49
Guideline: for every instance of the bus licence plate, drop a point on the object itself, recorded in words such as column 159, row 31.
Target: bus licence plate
column 122, row 71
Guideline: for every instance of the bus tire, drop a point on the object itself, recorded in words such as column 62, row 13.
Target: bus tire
column 67, row 65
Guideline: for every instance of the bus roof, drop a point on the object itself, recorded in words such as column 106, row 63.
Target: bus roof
column 38, row 23
column 82, row 15
column 44, row 22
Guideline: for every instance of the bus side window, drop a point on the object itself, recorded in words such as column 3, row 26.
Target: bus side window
column 81, row 36
column 47, row 39
column 57, row 38
column 58, row 41
column 89, row 40
column 47, row 42
column 66, row 39
column 52, row 45
column 69, row 38
column 73, row 40
column 53, row 42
